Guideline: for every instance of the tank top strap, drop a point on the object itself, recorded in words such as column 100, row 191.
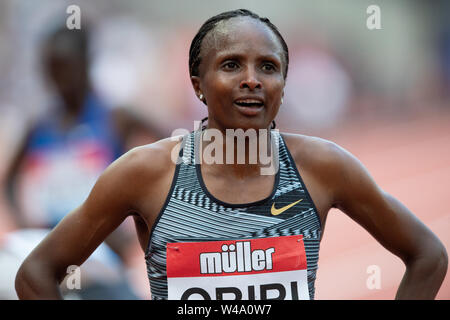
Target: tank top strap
column 290, row 178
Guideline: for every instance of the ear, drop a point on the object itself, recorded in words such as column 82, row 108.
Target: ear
column 195, row 80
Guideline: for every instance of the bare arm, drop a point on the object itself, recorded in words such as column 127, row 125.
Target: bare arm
column 392, row 224
column 73, row 240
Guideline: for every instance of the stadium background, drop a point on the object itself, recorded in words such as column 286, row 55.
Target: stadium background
column 381, row 94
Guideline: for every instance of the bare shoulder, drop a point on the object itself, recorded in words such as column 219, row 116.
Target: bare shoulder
column 142, row 170
column 327, row 168
column 315, row 152
column 151, row 159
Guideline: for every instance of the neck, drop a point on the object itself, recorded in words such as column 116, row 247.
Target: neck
column 236, row 152
column 73, row 105
column 74, row 99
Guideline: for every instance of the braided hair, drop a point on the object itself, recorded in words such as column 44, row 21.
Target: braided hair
column 211, row 23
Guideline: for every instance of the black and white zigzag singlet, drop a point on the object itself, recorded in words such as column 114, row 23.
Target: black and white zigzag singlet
column 203, row 248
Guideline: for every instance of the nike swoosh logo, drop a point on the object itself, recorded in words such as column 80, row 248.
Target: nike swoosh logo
column 276, row 212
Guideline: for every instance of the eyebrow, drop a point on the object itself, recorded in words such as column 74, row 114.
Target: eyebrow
column 231, row 55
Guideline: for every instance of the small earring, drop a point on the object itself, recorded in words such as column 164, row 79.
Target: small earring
column 281, row 100
column 201, row 96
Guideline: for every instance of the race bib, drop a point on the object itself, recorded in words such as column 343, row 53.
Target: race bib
column 247, row 269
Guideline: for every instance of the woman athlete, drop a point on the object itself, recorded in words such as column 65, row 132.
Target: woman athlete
column 214, row 230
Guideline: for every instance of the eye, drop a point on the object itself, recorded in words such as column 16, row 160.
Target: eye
column 268, row 67
column 230, row 65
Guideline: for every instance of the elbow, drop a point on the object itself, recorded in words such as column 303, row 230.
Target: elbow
column 433, row 260
column 442, row 261
column 437, row 266
column 23, row 281
column 439, row 259
column 34, row 281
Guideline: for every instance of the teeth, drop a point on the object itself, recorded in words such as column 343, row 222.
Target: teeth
column 249, row 101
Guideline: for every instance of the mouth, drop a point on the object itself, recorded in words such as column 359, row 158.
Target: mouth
column 249, row 106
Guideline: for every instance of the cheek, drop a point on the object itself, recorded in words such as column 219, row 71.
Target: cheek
column 275, row 89
column 218, row 86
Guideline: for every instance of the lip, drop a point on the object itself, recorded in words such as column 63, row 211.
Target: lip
column 256, row 98
column 249, row 111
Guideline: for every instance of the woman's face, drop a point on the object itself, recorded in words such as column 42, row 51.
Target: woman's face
column 241, row 74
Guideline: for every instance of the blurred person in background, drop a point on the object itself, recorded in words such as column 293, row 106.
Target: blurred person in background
column 62, row 155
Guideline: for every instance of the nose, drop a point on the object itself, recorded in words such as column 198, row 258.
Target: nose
column 250, row 80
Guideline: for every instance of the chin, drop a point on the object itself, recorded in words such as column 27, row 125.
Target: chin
column 251, row 124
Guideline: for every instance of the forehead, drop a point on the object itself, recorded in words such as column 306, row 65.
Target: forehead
column 240, row 35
